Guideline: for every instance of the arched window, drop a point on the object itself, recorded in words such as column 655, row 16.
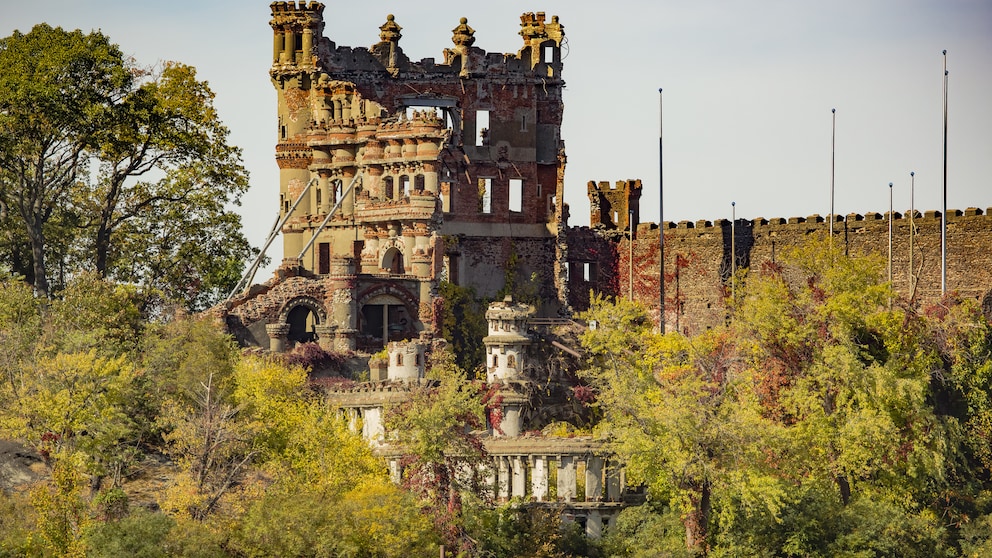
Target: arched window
column 392, row 261
column 511, row 361
column 495, row 360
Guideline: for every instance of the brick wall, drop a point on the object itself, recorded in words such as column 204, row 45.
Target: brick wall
column 698, row 258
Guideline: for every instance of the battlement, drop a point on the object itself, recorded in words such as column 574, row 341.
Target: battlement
column 852, row 220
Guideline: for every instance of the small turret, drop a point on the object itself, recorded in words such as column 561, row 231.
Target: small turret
column 406, row 361
column 507, row 342
column 294, row 28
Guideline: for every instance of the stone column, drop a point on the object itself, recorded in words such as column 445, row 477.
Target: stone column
column 277, row 336
column 307, row 48
column 502, row 479
column 372, row 181
column 566, row 478
column 395, row 471
column 352, row 420
column 288, row 45
column 325, row 189
column 430, row 177
column 519, row 487
column 594, row 524
column 594, row 479
column 612, row 482
column 511, row 421
column 409, row 240
column 325, row 336
column 539, row 482
column 372, row 428
column 348, row 205
column 277, row 44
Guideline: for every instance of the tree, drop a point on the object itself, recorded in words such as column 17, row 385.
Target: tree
column 71, row 101
column 54, row 87
column 175, row 232
column 680, row 416
column 442, row 454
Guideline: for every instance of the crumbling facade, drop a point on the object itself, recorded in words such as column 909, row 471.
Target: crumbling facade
column 396, row 174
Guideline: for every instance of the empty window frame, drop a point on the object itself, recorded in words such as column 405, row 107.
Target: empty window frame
column 516, row 200
column 481, row 127
column 549, row 54
column 485, row 195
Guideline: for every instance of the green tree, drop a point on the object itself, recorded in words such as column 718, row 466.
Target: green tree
column 71, row 100
column 681, row 416
column 54, row 86
column 435, row 429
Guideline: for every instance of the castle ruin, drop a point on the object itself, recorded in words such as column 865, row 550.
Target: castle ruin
column 396, row 175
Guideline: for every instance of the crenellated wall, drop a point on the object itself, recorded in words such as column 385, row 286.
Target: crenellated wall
column 698, row 258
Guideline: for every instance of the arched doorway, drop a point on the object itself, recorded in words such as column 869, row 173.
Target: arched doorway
column 302, row 315
column 302, row 325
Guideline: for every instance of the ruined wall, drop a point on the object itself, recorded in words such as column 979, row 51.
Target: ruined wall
column 698, row 258
column 396, row 174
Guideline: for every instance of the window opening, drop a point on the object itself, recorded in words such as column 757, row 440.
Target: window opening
column 523, row 122
column 549, row 54
column 392, row 261
column 324, row 258
column 399, row 359
column 511, row 361
column 586, row 271
column 404, row 189
column 516, row 194
column 388, row 182
column 486, row 195
column 482, row 127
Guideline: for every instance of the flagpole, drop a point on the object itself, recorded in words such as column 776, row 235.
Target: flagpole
column 661, row 216
column 943, row 213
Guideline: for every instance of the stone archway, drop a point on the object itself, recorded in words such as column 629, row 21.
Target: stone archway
column 302, row 315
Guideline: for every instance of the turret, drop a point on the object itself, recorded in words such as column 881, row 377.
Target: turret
column 611, row 206
column 507, row 342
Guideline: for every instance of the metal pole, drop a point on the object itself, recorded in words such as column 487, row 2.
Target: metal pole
column 733, row 252
column 249, row 276
column 833, row 151
column 912, row 231
column 630, row 253
column 943, row 213
column 890, row 242
column 661, row 216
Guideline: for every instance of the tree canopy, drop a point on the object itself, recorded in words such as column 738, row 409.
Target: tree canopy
column 113, row 167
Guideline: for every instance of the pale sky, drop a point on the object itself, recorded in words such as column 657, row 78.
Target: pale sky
column 748, row 88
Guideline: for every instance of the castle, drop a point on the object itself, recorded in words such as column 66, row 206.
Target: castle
column 396, row 175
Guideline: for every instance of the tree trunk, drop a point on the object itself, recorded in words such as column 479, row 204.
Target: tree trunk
column 37, row 237
column 698, row 519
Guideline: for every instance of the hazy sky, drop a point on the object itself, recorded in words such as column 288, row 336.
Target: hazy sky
column 748, row 88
